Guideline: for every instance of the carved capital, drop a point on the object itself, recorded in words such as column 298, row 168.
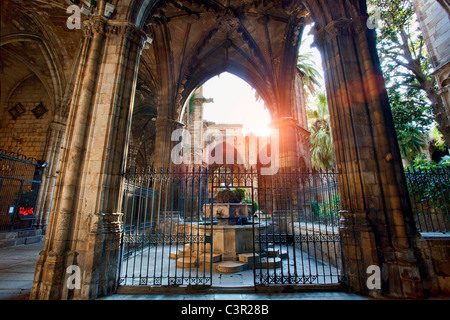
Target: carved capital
column 129, row 31
column 227, row 23
column 100, row 25
column 340, row 28
column 95, row 25
column 109, row 223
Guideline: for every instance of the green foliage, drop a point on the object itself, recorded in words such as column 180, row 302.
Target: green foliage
column 327, row 211
column 235, row 195
column 422, row 164
column 27, row 199
column 311, row 75
column 438, row 139
column 429, row 186
column 407, row 71
column 230, row 195
column 191, row 104
column 322, row 151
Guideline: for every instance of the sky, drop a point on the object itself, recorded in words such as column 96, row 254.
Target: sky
column 234, row 99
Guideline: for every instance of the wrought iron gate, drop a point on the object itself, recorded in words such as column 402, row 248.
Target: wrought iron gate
column 20, row 181
column 165, row 240
column 177, row 232
column 301, row 243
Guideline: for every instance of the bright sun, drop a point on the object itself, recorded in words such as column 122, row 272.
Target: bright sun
column 235, row 103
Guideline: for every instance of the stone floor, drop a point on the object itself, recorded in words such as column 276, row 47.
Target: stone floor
column 17, row 265
column 137, row 270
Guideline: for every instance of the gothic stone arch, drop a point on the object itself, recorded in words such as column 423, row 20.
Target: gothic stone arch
column 262, row 36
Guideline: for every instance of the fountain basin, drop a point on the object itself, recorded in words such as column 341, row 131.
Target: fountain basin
column 228, row 240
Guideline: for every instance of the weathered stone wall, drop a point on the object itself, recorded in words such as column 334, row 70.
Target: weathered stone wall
column 435, row 24
column 435, row 28
column 26, row 135
column 319, row 244
column 439, row 254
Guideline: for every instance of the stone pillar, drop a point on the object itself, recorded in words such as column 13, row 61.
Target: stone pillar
column 163, row 144
column 53, row 153
column 377, row 222
column 288, row 142
column 85, row 222
column 196, row 126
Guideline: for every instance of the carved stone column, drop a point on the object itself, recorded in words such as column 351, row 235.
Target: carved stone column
column 55, row 140
column 85, row 221
column 377, row 223
column 288, row 131
column 442, row 75
column 163, row 143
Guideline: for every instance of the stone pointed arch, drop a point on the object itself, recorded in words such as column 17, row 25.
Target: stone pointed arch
column 254, row 80
column 55, row 88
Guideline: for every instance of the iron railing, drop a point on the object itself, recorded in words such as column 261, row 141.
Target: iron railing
column 20, row 181
column 289, row 233
column 429, row 191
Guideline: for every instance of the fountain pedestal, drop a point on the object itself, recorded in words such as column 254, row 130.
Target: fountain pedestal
column 227, row 214
column 232, row 235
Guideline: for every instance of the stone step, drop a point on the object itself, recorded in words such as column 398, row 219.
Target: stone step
column 208, row 257
column 7, row 243
column 34, row 239
column 269, row 263
column 7, row 235
column 249, row 258
column 230, row 266
column 173, row 255
column 29, row 233
column 184, row 253
column 11, row 242
column 187, row 262
column 272, row 252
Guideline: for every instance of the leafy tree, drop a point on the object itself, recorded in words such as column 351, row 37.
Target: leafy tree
column 412, row 119
column 407, row 70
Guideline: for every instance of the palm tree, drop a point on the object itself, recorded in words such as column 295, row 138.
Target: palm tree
column 311, row 76
column 322, row 152
column 412, row 142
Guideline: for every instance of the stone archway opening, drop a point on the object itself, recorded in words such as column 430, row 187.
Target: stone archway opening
column 282, row 231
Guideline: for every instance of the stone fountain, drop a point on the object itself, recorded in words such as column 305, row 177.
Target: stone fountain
column 232, row 228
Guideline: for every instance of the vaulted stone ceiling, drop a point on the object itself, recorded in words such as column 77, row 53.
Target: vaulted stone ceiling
column 196, row 40
column 192, row 42
column 35, row 41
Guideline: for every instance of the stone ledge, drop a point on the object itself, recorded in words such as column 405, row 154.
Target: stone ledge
column 22, row 237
